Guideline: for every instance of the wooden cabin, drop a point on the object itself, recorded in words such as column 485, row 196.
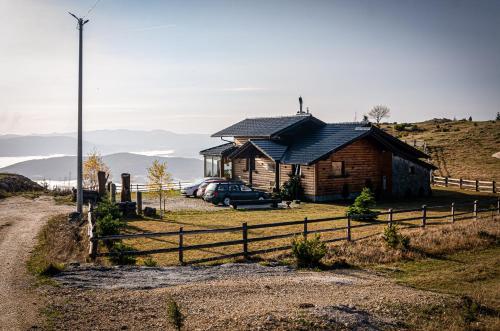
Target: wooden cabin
column 334, row 161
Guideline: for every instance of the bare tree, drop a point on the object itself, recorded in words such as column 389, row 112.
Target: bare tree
column 379, row 112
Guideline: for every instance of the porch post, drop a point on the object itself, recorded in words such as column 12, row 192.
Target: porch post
column 221, row 167
column 277, row 176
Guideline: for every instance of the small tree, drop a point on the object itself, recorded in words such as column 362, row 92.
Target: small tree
column 379, row 112
column 362, row 204
column 470, row 118
column 175, row 316
column 158, row 176
column 92, row 165
column 308, row 252
column 365, row 118
column 498, row 116
column 292, row 188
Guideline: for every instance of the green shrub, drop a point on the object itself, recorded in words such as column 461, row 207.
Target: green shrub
column 149, row 262
column 308, row 252
column 174, row 314
column 292, row 188
column 120, row 257
column 108, row 225
column 400, row 127
column 105, row 208
column 394, row 239
column 362, row 204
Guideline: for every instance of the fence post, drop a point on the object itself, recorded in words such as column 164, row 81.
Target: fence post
column 139, row 203
column 181, row 246
column 446, row 181
column 424, row 215
column 390, row 216
column 498, row 206
column 452, row 212
column 460, row 183
column 180, row 186
column 348, row 228
column 493, row 187
column 475, row 210
column 113, row 192
column 92, row 236
column 477, row 185
column 305, row 228
column 244, row 229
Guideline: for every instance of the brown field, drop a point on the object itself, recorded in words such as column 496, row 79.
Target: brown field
column 459, row 148
column 193, row 220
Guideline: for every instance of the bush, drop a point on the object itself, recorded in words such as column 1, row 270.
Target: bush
column 107, row 225
column 362, row 204
column 308, row 252
column 120, row 257
column 106, row 207
column 149, row 262
column 394, row 239
column 400, row 127
column 174, row 314
column 292, row 188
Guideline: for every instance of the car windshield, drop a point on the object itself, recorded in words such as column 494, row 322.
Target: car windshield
column 211, row 187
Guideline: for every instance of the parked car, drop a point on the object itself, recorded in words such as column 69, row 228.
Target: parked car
column 191, row 190
column 201, row 189
column 225, row 192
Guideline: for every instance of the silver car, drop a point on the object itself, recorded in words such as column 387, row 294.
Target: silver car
column 192, row 190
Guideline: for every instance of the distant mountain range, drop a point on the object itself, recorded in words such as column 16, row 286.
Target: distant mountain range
column 59, row 168
column 107, row 142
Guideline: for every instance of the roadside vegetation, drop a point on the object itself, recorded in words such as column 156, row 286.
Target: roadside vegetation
column 58, row 243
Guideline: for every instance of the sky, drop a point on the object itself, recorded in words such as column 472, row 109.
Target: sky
column 199, row 66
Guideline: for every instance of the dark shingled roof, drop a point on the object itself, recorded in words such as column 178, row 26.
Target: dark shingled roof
column 272, row 149
column 263, row 126
column 220, row 150
column 329, row 138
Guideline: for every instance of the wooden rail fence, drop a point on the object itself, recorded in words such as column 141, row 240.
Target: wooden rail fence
column 366, row 220
column 178, row 185
column 465, row 184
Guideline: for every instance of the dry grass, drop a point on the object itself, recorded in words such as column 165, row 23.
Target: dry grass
column 461, row 148
column 429, row 242
column 191, row 220
column 59, row 242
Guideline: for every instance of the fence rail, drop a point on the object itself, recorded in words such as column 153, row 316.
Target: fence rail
column 175, row 185
column 365, row 220
column 464, row 184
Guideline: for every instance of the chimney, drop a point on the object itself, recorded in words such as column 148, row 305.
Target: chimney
column 300, row 104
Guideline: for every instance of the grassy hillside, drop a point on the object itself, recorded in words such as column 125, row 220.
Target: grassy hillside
column 459, row 148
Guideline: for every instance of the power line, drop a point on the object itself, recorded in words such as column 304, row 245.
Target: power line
column 92, row 8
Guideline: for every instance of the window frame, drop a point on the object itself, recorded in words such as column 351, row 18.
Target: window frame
column 342, row 170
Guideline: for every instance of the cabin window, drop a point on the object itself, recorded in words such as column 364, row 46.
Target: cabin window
column 296, row 170
column 250, row 163
column 338, row 169
column 212, row 166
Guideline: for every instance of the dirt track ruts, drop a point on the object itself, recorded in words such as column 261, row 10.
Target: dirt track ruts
column 20, row 221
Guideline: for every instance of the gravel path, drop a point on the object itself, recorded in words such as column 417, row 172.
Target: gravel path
column 233, row 297
column 20, row 221
column 127, row 277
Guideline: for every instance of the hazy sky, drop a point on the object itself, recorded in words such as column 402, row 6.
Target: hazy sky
column 197, row 66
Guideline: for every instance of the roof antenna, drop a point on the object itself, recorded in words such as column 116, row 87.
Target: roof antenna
column 307, row 110
column 300, row 104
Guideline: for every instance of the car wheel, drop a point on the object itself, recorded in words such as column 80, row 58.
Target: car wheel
column 227, row 201
column 195, row 193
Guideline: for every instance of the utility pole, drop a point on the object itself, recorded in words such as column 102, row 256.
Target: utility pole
column 79, row 177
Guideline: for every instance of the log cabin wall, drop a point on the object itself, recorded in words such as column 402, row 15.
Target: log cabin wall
column 264, row 174
column 239, row 170
column 362, row 164
column 241, row 140
column 308, row 178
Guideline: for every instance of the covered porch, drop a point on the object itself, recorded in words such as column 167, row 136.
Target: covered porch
column 216, row 162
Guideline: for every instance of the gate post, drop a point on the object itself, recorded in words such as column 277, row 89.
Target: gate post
column 181, row 246
column 245, row 240
column 424, row 215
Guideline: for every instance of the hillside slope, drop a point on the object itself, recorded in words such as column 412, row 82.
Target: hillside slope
column 459, row 148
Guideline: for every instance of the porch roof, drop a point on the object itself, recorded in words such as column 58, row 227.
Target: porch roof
column 221, row 150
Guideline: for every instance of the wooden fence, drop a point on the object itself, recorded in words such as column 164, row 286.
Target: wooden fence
column 465, row 184
column 468, row 211
column 177, row 185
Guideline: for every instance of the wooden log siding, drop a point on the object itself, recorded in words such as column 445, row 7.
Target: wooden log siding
column 264, row 174
column 239, row 169
column 361, row 162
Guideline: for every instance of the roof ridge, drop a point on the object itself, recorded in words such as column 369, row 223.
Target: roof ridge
column 282, row 116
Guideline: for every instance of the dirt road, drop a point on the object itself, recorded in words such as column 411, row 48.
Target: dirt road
column 20, row 221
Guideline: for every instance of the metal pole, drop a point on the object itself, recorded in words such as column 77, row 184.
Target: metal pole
column 79, row 177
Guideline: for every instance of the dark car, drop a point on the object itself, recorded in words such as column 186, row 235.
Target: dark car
column 228, row 191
